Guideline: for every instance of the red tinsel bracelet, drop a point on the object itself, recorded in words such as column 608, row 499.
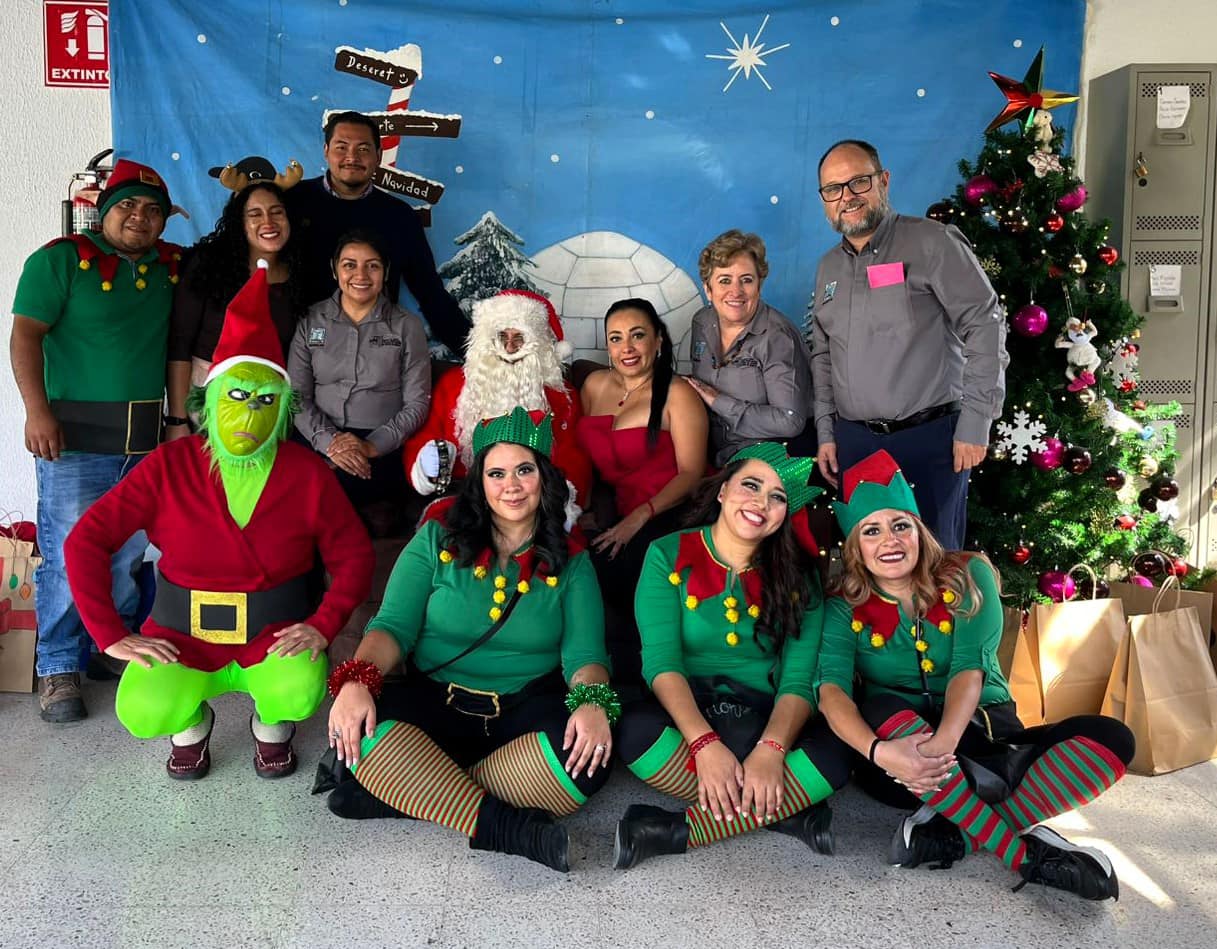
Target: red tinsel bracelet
column 699, row 743
column 356, row 670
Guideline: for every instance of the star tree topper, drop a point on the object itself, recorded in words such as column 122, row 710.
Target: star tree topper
column 1023, row 98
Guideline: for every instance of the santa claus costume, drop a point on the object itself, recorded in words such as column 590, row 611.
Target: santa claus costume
column 500, row 372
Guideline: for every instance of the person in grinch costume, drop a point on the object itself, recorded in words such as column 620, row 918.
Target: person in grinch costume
column 730, row 615
column 238, row 514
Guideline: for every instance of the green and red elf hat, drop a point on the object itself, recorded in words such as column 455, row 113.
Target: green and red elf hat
column 793, row 472
column 873, row 484
column 249, row 335
column 130, row 178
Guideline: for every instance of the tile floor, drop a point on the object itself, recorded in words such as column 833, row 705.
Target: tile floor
column 99, row 849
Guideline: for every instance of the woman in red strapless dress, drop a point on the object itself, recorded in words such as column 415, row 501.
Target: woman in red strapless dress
column 645, row 430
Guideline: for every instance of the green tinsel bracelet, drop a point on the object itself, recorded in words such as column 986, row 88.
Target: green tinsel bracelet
column 599, row 694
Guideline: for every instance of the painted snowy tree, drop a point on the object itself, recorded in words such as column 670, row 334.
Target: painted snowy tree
column 1080, row 469
column 490, row 260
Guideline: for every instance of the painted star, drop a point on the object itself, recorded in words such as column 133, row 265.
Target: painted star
column 1023, row 98
column 748, row 56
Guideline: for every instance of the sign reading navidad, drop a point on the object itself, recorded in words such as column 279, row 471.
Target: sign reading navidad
column 76, row 44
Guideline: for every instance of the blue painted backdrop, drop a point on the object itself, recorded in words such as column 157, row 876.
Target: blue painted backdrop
column 593, row 115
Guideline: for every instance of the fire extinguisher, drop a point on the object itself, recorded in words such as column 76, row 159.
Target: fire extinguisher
column 79, row 210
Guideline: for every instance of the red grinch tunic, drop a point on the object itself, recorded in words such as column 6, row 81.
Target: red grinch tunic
column 179, row 501
column 441, row 425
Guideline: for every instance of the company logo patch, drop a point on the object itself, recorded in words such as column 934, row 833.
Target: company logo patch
column 830, row 291
column 316, row 336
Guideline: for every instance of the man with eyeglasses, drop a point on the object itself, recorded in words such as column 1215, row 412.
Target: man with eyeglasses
column 908, row 342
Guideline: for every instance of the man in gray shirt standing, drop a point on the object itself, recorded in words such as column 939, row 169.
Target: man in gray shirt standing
column 908, row 342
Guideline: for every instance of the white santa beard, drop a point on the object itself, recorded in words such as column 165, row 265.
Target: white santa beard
column 494, row 387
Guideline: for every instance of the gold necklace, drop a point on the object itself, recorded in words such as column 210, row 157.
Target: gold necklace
column 629, row 392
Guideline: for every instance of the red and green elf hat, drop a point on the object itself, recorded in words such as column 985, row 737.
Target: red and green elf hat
column 249, row 335
column 533, row 430
column 130, row 178
column 873, row 484
column 793, row 472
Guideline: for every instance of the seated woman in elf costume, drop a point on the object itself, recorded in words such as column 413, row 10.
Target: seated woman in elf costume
column 496, row 609
column 730, row 617
column 240, row 511
column 920, row 627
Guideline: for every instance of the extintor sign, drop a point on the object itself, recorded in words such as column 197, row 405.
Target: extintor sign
column 76, row 39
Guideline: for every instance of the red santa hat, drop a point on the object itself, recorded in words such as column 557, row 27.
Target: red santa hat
column 249, row 335
column 524, row 310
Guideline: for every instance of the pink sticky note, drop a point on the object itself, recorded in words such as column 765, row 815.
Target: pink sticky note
column 884, row 275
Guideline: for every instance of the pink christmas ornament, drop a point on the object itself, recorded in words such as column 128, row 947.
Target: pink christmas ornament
column 1056, row 585
column 976, row 189
column 1072, row 200
column 1030, row 320
column 1139, row 580
column 1052, row 455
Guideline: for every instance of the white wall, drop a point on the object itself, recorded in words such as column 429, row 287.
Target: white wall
column 48, row 135
column 1119, row 32
column 51, row 133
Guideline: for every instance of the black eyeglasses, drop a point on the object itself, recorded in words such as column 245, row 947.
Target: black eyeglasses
column 858, row 185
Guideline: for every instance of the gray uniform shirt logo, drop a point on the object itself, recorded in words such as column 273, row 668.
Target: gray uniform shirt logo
column 830, row 291
column 316, row 336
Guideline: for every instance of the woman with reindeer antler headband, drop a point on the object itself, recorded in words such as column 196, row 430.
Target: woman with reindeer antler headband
column 254, row 224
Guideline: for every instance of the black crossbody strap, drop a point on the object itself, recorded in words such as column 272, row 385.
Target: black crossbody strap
column 481, row 640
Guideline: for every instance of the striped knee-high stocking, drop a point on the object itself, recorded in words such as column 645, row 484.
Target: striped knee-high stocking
column 1069, row 774
column 405, row 769
column 802, row 786
column 981, row 825
column 527, row 772
column 664, row 766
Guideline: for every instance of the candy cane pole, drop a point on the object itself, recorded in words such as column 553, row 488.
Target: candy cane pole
column 399, row 101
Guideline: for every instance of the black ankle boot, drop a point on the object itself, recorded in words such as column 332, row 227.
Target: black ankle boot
column 354, row 802
column 812, row 826
column 647, row 831
column 522, row 831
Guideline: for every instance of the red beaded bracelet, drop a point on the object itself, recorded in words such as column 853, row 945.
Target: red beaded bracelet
column 775, row 745
column 356, row 670
column 698, row 744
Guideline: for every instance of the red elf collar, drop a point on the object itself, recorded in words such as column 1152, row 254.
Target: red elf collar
column 882, row 614
column 707, row 575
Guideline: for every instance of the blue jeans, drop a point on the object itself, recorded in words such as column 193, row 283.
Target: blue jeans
column 66, row 488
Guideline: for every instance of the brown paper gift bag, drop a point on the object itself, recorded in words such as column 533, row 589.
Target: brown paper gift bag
column 1018, row 656
column 18, row 627
column 1164, row 688
column 1076, row 644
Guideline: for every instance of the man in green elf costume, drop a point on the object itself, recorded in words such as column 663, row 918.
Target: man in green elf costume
column 238, row 514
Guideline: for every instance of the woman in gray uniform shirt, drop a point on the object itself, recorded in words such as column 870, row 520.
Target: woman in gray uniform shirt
column 750, row 364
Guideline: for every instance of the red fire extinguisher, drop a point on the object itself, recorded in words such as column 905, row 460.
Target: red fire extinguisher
column 79, row 209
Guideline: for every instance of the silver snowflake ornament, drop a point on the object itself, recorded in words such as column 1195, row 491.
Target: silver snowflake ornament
column 1021, row 437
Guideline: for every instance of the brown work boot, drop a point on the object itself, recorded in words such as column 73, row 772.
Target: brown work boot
column 59, row 698
column 274, row 759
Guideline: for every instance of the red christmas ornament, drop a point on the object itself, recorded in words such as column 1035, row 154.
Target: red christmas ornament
column 1077, row 460
column 1126, row 522
column 1180, row 567
column 1127, row 385
column 1165, row 488
column 1022, row 553
column 1051, row 456
column 1054, row 222
column 1009, row 191
column 1114, row 478
column 1055, row 272
column 1093, row 591
column 1152, row 564
column 1108, row 254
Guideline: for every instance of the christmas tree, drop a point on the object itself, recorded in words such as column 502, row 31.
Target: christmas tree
column 1080, row 469
column 489, row 260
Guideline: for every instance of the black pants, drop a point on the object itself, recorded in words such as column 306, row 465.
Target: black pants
column 975, row 743
column 739, row 716
column 467, row 739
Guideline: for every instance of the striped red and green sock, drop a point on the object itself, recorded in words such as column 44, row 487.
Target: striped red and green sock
column 981, row 825
column 405, row 769
column 802, row 786
column 1069, row 774
column 527, row 772
column 664, row 766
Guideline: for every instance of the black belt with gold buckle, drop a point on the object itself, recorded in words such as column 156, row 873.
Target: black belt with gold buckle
column 479, row 703
column 225, row 617
column 109, row 428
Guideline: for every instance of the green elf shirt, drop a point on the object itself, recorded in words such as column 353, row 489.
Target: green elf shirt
column 697, row 618
column 877, row 640
column 103, row 345
column 434, row 608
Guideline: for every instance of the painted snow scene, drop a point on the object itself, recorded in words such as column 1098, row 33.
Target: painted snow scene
column 590, row 150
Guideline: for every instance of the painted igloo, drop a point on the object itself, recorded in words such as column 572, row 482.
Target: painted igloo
column 586, row 273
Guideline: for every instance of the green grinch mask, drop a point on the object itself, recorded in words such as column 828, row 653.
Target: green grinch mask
column 247, row 411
